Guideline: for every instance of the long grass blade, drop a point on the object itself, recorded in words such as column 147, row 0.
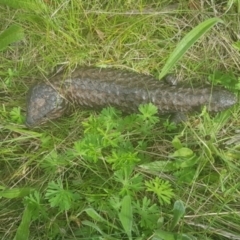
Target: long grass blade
column 13, row 34
column 23, row 229
column 24, row 4
column 187, row 42
column 126, row 215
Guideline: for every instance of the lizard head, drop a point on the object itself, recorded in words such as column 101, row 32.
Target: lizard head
column 221, row 99
column 43, row 103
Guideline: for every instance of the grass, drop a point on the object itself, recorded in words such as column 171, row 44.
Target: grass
column 104, row 175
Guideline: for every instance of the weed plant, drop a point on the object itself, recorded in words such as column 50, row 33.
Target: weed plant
column 106, row 175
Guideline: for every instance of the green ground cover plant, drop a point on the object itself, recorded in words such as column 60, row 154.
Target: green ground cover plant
column 107, row 175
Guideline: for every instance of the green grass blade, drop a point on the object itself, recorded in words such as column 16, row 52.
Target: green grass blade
column 187, row 42
column 97, row 218
column 23, row 229
column 92, row 225
column 163, row 235
column 126, row 215
column 12, row 34
column 25, row 4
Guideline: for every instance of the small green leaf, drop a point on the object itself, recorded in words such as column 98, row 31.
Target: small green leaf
column 159, row 166
column 183, row 152
column 13, row 34
column 162, row 188
column 60, row 197
column 148, row 110
column 187, row 42
column 15, row 192
column 126, row 215
column 149, row 213
column 33, row 202
column 178, row 213
column 147, row 113
column 186, row 175
column 94, row 215
column 16, row 115
column 176, row 143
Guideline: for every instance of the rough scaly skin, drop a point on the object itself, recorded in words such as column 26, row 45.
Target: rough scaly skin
column 95, row 88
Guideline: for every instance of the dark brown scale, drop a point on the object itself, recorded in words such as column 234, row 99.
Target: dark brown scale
column 96, row 88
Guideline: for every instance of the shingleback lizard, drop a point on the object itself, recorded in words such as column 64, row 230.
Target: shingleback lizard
column 95, row 88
